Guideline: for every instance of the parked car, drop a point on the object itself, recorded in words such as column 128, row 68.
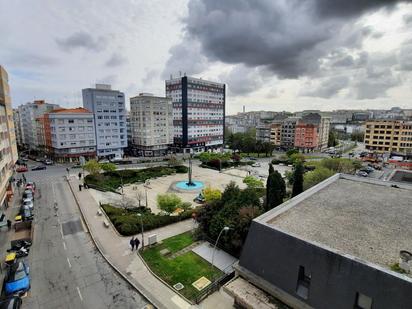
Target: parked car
column 39, row 168
column 362, row 174
column 31, row 185
column 29, row 203
column 17, row 280
column 22, row 169
column 28, row 194
column 257, row 164
column 11, row 303
column 25, row 159
column 48, row 162
column 26, row 213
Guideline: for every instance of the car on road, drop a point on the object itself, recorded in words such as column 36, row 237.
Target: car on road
column 26, row 213
column 30, row 186
column 17, row 280
column 39, row 168
column 22, row 169
column 257, row 164
column 11, row 303
column 48, row 162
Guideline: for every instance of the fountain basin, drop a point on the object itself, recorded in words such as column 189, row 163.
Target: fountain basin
column 194, row 186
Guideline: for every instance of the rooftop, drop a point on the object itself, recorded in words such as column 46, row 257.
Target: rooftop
column 366, row 219
column 77, row 110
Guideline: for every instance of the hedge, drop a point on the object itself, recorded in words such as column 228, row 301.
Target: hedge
column 127, row 222
column 110, row 181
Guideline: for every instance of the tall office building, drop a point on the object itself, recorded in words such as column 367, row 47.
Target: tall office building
column 151, row 124
column 108, row 108
column 29, row 112
column 198, row 113
column 8, row 148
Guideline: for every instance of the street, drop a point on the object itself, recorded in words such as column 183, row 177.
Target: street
column 66, row 269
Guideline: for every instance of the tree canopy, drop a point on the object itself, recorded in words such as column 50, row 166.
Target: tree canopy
column 275, row 190
column 168, row 202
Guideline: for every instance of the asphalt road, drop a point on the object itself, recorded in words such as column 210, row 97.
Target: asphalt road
column 67, row 270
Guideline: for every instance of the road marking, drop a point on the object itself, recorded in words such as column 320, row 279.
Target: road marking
column 61, row 231
column 64, row 245
column 80, row 294
column 68, row 261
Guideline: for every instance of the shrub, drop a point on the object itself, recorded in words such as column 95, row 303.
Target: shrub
column 168, row 202
column 181, row 169
column 211, row 194
column 127, row 222
column 314, row 177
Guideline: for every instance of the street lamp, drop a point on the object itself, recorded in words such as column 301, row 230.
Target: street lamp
column 224, row 229
column 141, row 222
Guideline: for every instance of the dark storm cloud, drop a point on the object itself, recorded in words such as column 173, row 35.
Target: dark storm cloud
column 242, row 80
column 116, row 60
column 289, row 37
column 328, row 88
column 80, row 40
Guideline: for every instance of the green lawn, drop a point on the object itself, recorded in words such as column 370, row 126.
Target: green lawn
column 186, row 268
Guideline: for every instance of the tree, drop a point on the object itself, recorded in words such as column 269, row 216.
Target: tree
column 253, row 182
column 298, row 179
column 275, row 190
column 271, row 169
column 268, row 148
column 291, row 152
column 211, row 194
column 297, row 157
column 258, row 147
column 357, row 136
column 93, row 167
column 168, row 202
column 332, row 139
column 108, row 167
column 314, row 177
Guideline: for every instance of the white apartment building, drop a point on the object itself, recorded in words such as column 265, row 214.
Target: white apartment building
column 28, row 113
column 69, row 133
column 198, row 113
column 109, row 110
column 17, row 127
column 151, row 124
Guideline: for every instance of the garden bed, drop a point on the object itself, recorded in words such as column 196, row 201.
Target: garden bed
column 185, row 268
column 111, row 181
column 127, row 222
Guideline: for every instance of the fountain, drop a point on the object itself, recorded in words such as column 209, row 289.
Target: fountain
column 190, row 184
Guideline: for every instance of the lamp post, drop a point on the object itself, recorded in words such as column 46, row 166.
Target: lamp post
column 141, row 222
column 224, row 229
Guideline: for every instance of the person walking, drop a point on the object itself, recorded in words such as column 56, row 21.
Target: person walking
column 9, row 224
column 24, row 179
column 132, row 243
column 80, row 175
column 136, row 243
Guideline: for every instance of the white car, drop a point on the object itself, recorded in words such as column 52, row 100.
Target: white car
column 257, row 164
column 29, row 203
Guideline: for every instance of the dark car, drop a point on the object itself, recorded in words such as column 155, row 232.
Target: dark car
column 17, row 280
column 39, row 168
column 11, row 303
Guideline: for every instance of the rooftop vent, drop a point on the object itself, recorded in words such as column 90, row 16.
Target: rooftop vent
column 405, row 260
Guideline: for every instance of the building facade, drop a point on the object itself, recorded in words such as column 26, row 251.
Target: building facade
column 312, row 132
column 69, row 134
column 109, row 110
column 310, row 252
column 389, row 136
column 263, row 134
column 8, row 147
column 151, row 124
column 198, row 113
column 28, row 113
column 288, row 133
column 17, row 127
column 276, row 133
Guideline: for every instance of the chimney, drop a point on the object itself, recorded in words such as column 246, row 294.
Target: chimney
column 405, row 261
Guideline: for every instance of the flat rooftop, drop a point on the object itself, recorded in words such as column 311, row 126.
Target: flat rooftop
column 367, row 219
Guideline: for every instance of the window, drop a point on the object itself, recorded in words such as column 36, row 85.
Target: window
column 303, row 285
column 363, row 301
column 71, row 121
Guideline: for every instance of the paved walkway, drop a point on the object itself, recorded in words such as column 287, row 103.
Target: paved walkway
column 115, row 249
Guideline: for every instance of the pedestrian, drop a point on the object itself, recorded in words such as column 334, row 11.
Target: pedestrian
column 9, row 224
column 24, row 179
column 136, row 243
column 132, row 242
column 80, row 175
column 80, row 187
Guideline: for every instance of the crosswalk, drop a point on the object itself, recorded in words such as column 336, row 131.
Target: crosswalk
column 43, row 178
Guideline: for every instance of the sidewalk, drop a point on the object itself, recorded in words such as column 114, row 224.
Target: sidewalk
column 115, row 249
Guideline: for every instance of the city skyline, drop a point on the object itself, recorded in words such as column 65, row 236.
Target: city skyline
column 278, row 59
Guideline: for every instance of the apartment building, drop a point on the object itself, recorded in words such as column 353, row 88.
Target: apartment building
column 198, row 113
column 276, row 133
column 151, row 124
column 263, row 133
column 312, row 132
column 28, row 113
column 109, row 111
column 69, row 133
column 287, row 133
column 389, row 136
column 17, row 127
column 8, row 147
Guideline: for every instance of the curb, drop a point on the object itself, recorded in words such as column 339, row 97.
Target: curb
column 141, row 290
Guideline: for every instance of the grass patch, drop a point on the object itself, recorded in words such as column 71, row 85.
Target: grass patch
column 395, row 267
column 111, row 181
column 186, row 268
column 127, row 222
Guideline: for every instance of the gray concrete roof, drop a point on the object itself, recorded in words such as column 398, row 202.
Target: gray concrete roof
column 369, row 220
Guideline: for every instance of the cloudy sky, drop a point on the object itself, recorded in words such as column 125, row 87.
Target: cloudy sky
column 273, row 55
